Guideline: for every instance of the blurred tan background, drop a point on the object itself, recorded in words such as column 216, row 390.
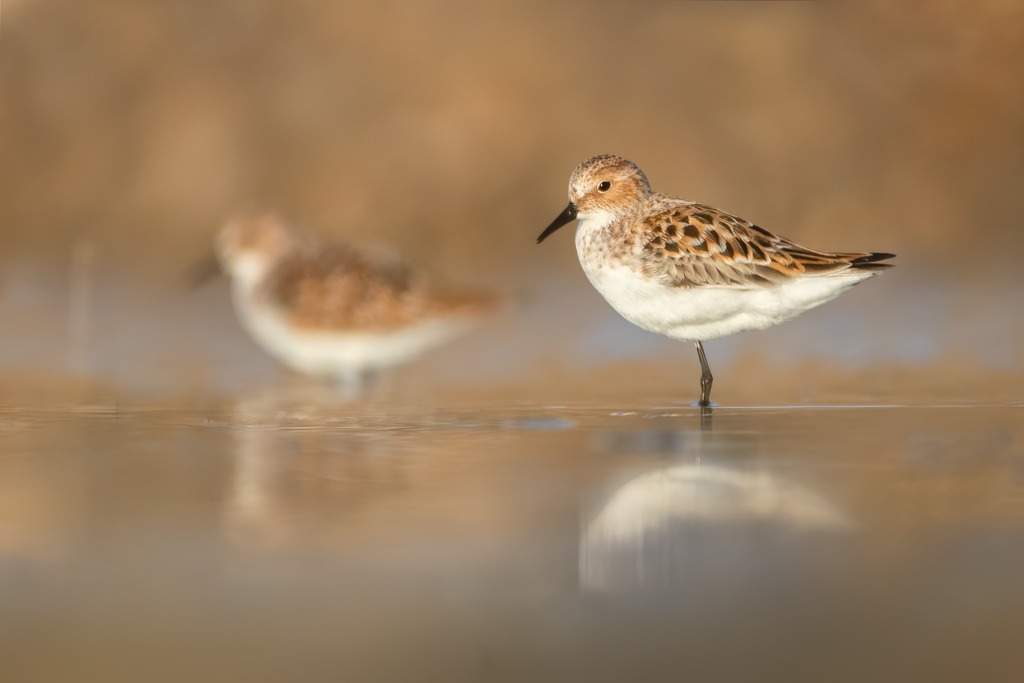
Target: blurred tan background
column 130, row 129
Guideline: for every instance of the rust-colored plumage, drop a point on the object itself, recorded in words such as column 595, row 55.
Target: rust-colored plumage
column 685, row 244
column 337, row 288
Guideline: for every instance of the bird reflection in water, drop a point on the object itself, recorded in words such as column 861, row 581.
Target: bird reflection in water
column 695, row 516
column 292, row 478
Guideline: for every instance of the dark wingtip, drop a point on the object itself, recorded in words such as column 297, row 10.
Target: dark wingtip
column 872, row 261
column 872, row 258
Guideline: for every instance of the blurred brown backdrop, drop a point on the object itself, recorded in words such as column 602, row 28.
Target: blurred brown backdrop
column 448, row 130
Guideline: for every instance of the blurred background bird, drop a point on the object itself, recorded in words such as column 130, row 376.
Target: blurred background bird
column 332, row 311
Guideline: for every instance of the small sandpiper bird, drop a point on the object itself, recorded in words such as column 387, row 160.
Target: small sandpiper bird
column 690, row 271
column 331, row 311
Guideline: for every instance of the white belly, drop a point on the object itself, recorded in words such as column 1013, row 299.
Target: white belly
column 702, row 313
column 341, row 354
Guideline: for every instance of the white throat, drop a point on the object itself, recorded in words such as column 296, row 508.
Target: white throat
column 248, row 271
column 595, row 220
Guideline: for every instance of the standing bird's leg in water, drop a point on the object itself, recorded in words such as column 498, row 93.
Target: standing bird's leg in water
column 705, row 377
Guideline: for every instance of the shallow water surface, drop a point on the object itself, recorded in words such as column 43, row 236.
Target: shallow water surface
column 262, row 541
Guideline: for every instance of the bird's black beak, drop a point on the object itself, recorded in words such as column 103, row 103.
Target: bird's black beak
column 567, row 216
column 201, row 272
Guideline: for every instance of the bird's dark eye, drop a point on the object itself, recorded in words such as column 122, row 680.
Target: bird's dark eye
column 604, row 186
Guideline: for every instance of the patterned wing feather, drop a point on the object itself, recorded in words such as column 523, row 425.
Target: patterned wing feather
column 693, row 245
column 338, row 288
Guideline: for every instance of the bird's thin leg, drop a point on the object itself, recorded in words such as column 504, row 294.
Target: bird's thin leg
column 355, row 382
column 705, row 377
